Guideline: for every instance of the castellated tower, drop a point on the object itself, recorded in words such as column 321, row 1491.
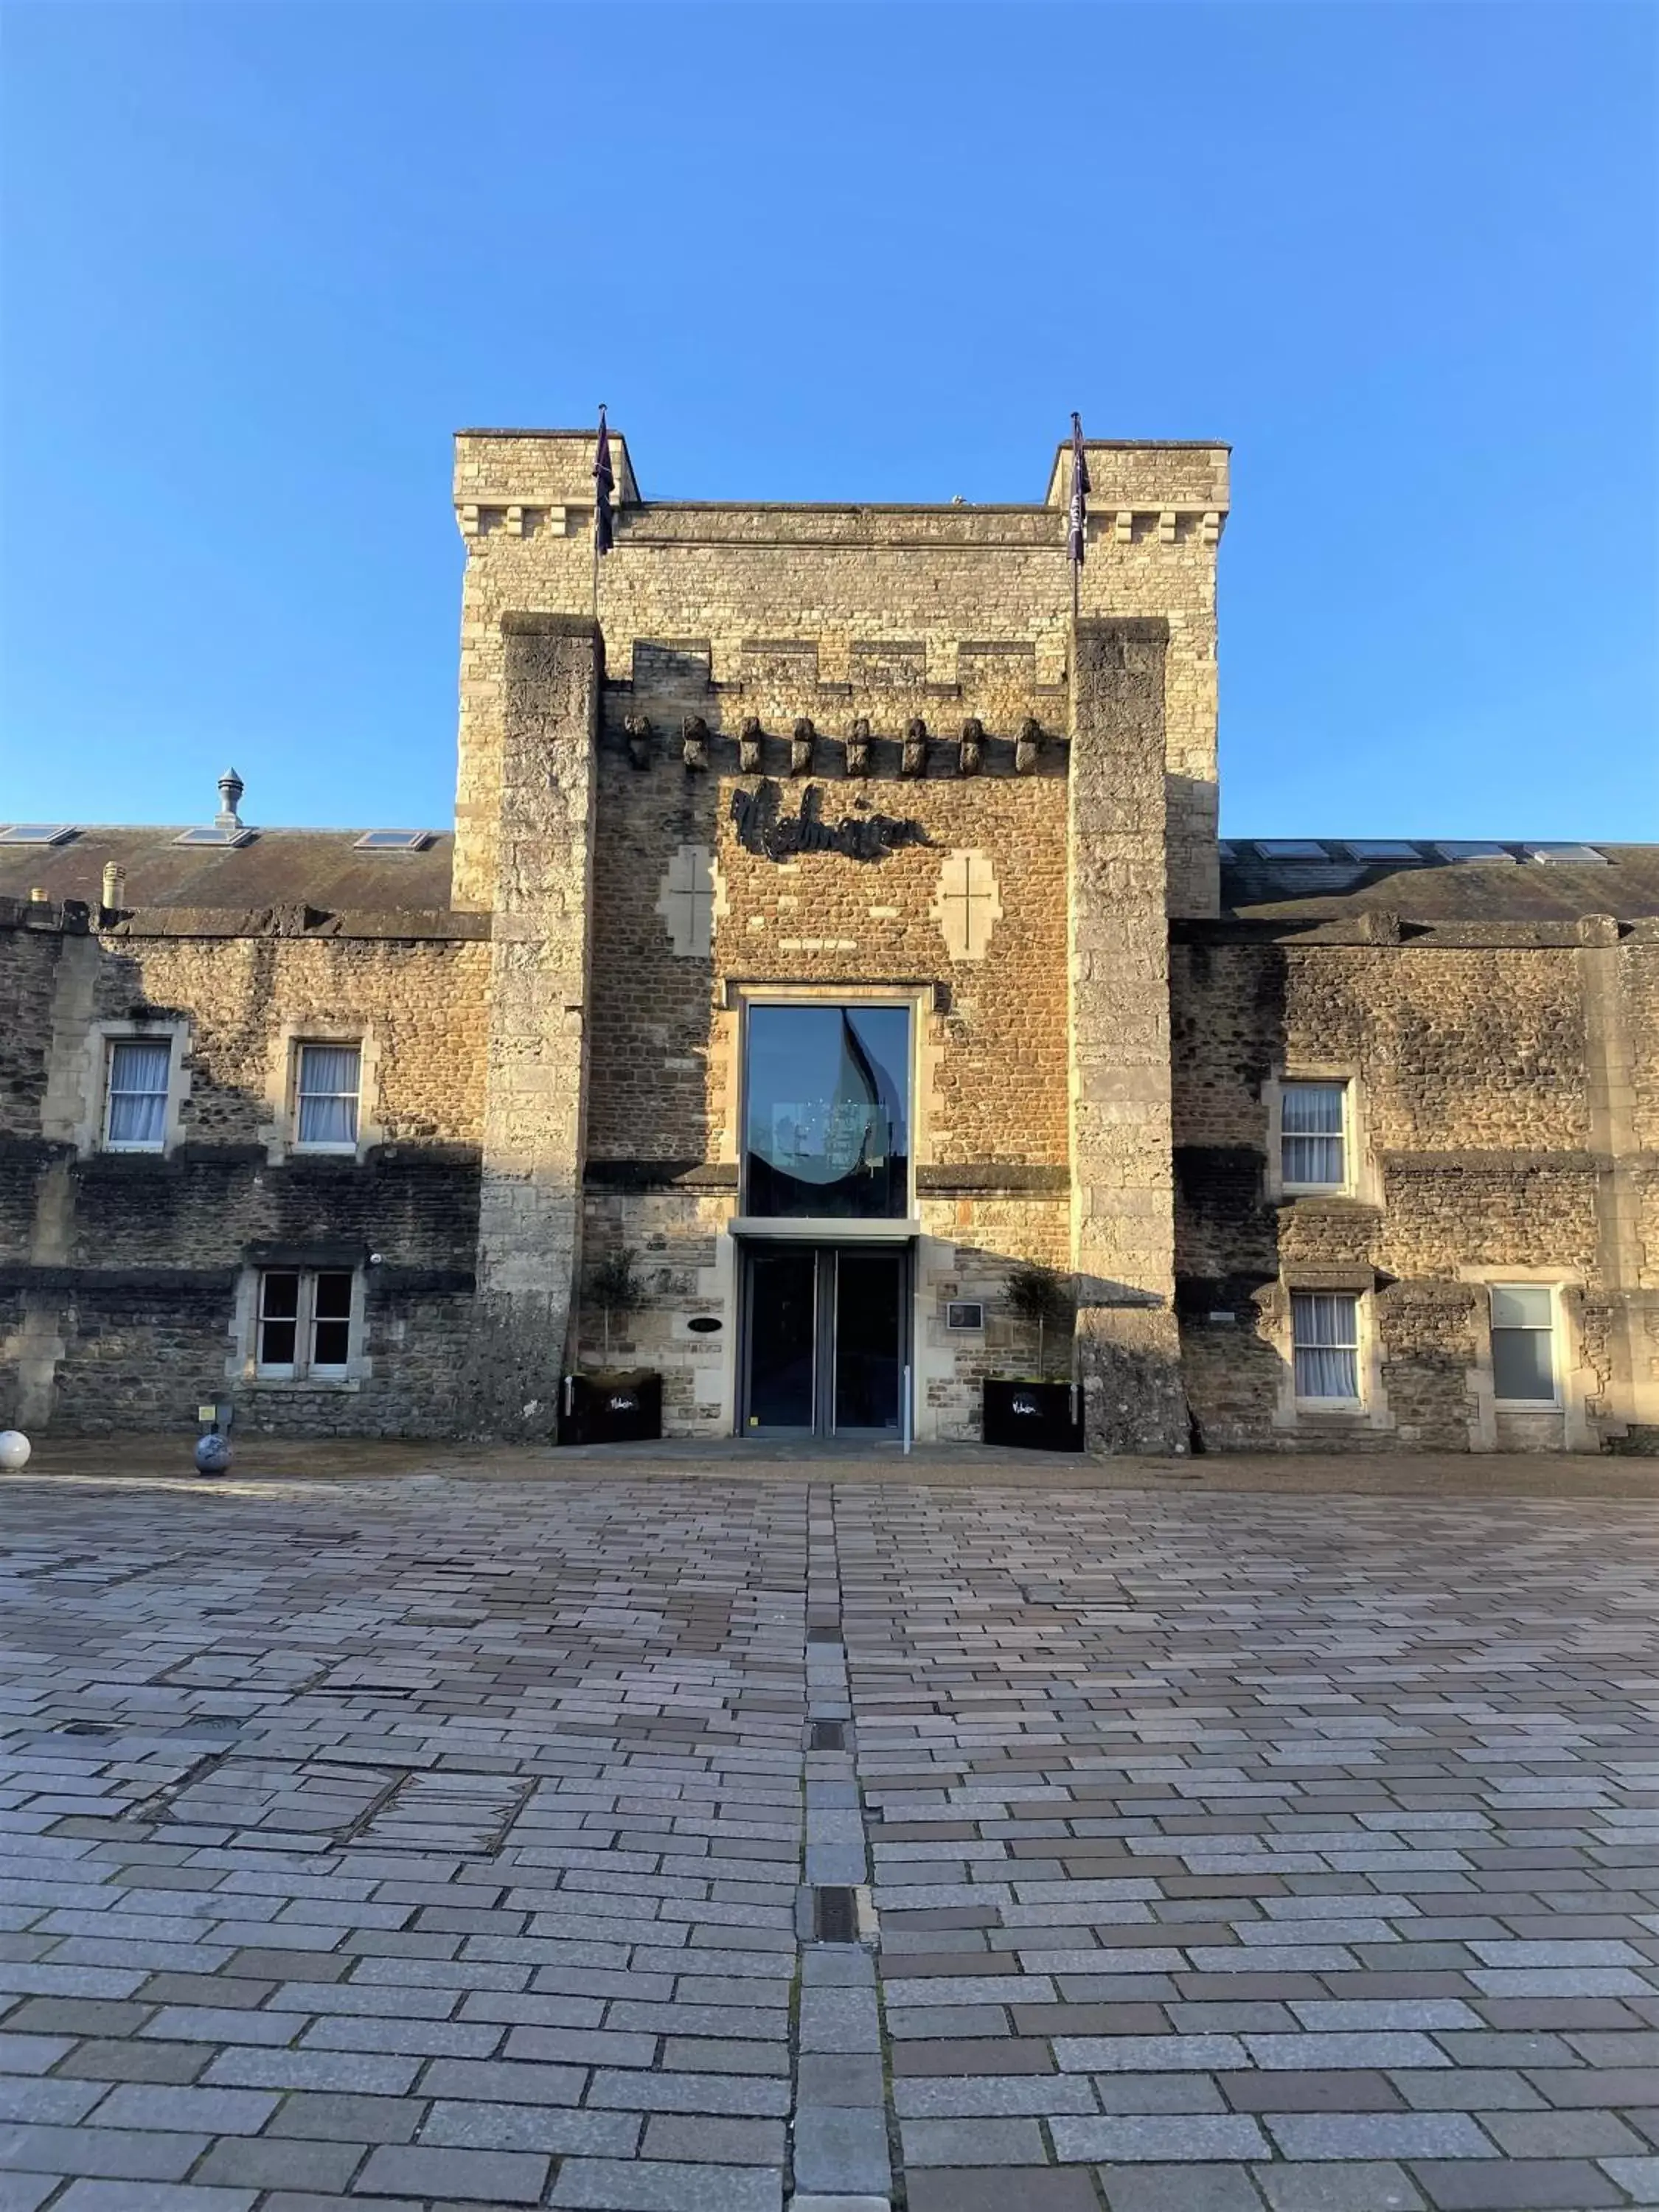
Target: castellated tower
column 798, row 775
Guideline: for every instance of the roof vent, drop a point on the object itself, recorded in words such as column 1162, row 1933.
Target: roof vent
column 393, row 841
column 231, row 788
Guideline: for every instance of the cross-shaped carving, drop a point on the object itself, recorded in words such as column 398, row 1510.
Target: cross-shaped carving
column 689, row 901
column 966, row 905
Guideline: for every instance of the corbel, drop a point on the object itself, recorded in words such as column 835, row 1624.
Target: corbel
column 1027, row 746
column 970, row 752
column 637, row 729
column 1166, row 527
column 515, row 522
column 470, row 520
column 694, row 742
column 751, row 742
column 1209, row 529
column 1123, row 526
column 800, row 746
column 858, row 747
column 915, row 759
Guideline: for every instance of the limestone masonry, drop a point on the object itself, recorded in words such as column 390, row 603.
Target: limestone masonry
column 832, row 928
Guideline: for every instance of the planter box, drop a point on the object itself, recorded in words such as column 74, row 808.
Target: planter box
column 1038, row 1415
column 613, row 1409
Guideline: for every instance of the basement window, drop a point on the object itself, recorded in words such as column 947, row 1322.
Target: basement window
column 304, row 1327
column 1325, row 1335
column 1524, row 1345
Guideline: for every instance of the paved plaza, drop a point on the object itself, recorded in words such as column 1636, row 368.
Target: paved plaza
column 705, row 1844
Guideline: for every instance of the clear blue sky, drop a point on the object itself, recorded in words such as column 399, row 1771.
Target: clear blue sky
column 259, row 261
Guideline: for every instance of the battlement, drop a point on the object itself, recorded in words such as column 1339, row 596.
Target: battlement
column 842, row 612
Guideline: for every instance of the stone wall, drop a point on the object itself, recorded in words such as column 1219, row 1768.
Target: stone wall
column 918, row 603
column 1503, row 1092
column 123, row 1270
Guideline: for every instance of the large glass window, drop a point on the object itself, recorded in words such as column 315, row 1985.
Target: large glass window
column 827, row 1111
column 1523, row 1343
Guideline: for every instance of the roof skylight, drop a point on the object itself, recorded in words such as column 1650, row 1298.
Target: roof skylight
column 1472, row 849
column 393, row 841
column 1382, row 848
column 211, row 834
column 1580, row 856
column 39, row 832
column 1290, row 848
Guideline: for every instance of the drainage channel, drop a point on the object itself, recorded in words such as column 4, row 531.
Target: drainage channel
column 842, row 2136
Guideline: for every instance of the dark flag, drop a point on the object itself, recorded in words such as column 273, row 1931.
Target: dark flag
column 1079, row 493
column 604, row 483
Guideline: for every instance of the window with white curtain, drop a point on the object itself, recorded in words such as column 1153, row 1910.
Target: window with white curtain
column 303, row 1323
column 1523, row 1344
column 1313, row 1136
column 1325, row 1333
column 327, row 1078
column 136, row 1094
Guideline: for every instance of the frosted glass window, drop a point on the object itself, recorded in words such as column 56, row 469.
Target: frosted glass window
column 1312, row 1140
column 326, row 1092
column 1325, row 1327
column 1523, row 1343
column 136, row 1110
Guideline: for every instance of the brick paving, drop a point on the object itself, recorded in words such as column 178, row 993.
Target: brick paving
column 658, row 1843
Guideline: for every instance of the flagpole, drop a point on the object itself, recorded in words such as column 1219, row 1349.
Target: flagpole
column 598, row 494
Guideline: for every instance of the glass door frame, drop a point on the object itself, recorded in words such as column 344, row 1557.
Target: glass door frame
column 826, row 1258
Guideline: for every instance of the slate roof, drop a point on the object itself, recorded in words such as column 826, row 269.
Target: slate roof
column 277, row 867
column 1322, row 881
column 1260, row 884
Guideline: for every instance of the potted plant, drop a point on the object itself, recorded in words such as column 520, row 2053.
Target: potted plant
column 1031, row 1409
column 613, row 1406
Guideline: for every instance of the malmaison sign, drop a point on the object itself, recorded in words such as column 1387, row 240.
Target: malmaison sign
column 763, row 829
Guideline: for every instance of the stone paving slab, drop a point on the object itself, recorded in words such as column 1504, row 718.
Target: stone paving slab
column 416, row 1837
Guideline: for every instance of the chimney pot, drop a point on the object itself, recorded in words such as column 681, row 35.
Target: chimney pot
column 231, row 788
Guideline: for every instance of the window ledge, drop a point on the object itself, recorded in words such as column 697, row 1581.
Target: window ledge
column 280, row 1383
column 827, row 1229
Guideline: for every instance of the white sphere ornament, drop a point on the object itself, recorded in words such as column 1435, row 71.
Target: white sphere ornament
column 15, row 1449
column 213, row 1454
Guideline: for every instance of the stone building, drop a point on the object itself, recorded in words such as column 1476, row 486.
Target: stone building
column 833, row 922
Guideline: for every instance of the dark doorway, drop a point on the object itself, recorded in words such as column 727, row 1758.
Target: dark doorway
column 825, row 1339
column 782, row 1338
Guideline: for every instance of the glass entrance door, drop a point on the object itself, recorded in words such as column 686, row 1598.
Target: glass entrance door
column 868, row 1347
column 783, row 1339
column 825, row 1339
